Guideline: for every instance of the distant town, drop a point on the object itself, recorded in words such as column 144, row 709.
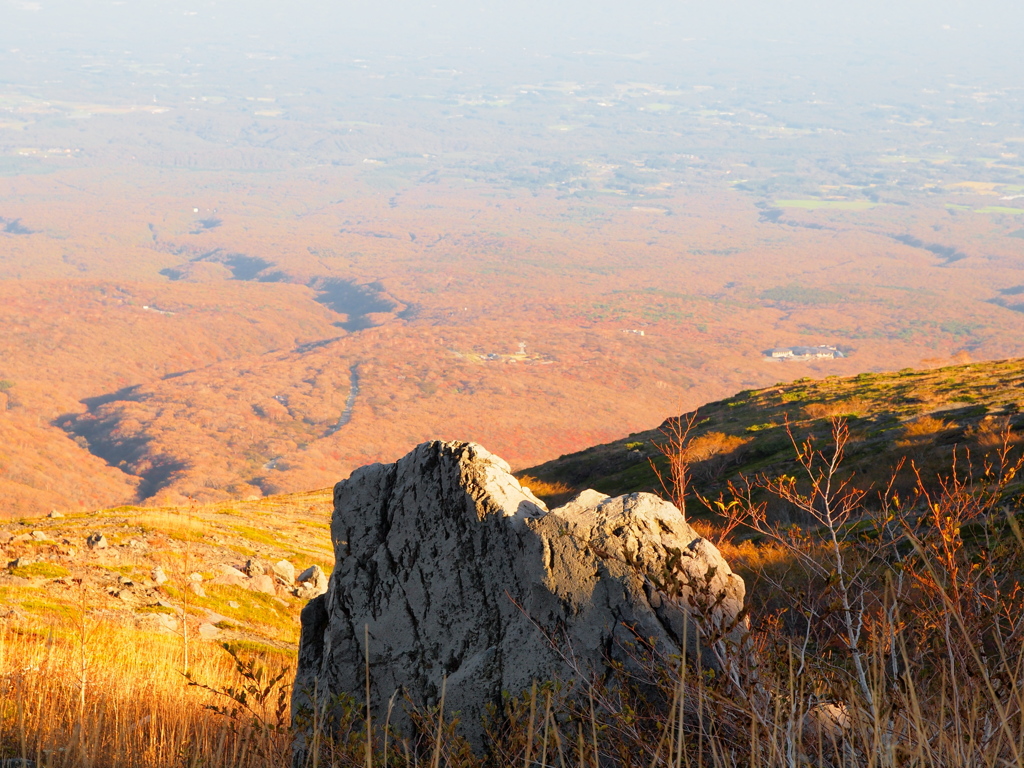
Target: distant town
column 801, row 354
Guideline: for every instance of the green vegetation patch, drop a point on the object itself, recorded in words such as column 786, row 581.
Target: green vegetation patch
column 799, row 294
column 835, row 205
column 261, row 649
column 49, row 609
column 123, row 570
column 1000, row 209
column 254, row 609
column 40, row 571
column 257, row 535
column 155, row 609
column 21, row 166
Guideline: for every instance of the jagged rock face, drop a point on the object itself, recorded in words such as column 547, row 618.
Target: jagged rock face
column 458, row 573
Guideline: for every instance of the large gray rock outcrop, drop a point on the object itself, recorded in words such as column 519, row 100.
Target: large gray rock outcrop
column 461, row 574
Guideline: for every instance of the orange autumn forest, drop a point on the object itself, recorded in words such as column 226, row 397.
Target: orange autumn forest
column 710, row 316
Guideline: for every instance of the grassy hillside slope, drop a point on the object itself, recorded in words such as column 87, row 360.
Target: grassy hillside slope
column 116, row 655
column 915, row 416
column 110, row 655
column 54, row 577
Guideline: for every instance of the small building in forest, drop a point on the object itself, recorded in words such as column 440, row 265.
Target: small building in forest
column 823, row 352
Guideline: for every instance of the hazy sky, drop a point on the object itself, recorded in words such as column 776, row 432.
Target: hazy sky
column 982, row 36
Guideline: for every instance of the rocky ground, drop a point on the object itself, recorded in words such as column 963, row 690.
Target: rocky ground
column 238, row 571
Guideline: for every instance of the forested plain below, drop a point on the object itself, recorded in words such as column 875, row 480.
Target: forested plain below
column 223, row 292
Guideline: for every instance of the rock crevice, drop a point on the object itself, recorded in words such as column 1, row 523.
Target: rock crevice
column 460, row 574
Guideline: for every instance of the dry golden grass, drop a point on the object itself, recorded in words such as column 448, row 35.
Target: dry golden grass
column 113, row 696
column 711, row 444
column 991, row 434
column 836, row 408
column 545, row 490
column 940, row 647
column 920, row 429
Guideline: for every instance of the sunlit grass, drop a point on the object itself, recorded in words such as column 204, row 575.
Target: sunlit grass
column 1000, row 209
column 837, row 205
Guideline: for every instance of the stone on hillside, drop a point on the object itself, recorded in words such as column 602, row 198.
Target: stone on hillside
column 196, row 588
column 826, row 721
column 284, row 571
column 5, row 537
column 40, row 536
column 263, row 583
column 97, row 541
column 312, row 583
column 162, row 622
column 55, row 514
column 462, row 575
column 159, row 576
column 230, row 575
column 254, row 568
column 304, row 592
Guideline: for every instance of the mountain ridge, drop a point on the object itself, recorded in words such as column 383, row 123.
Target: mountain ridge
column 912, row 416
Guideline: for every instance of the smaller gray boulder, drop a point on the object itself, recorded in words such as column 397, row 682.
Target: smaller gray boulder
column 313, row 582
column 285, row 572
column 230, row 575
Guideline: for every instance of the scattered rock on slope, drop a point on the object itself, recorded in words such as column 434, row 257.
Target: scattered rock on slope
column 461, row 574
column 285, row 572
column 312, row 583
column 263, row 583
